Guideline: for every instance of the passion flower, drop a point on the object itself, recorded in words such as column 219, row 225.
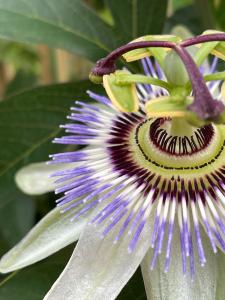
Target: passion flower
column 152, row 168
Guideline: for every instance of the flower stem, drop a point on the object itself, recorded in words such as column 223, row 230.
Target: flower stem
column 107, row 65
column 204, row 105
column 214, row 37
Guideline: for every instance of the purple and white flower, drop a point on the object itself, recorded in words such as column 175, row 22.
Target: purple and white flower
column 147, row 191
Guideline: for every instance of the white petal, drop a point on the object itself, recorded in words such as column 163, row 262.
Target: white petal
column 52, row 233
column 99, row 269
column 174, row 285
column 35, row 179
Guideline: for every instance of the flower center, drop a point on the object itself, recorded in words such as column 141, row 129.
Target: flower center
column 139, row 145
column 175, row 164
column 174, row 141
column 169, row 144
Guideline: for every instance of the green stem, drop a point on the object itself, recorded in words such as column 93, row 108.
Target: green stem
column 124, row 79
column 205, row 11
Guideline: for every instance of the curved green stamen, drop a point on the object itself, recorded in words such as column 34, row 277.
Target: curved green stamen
column 124, row 79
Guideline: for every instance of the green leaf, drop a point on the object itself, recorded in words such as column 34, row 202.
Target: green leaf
column 17, row 213
column 72, row 25
column 180, row 3
column 21, row 56
column 204, row 11
column 67, row 24
column 21, row 81
column 135, row 18
column 34, row 282
column 28, row 123
column 219, row 7
column 186, row 16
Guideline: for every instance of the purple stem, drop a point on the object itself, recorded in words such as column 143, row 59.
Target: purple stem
column 204, row 105
column 107, row 65
column 203, row 39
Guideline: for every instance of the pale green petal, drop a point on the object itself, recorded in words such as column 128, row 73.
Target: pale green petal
column 98, row 268
column 35, row 179
column 174, row 285
column 181, row 31
column 220, row 286
column 52, row 233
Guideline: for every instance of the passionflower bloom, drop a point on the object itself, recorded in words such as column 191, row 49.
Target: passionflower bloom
column 150, row 178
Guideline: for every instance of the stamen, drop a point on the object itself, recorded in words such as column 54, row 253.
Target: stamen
column 180, row 145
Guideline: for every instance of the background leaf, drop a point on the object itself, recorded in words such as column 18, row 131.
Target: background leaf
column 204, row 9
column 133, row 18
column 17, row 213
column 20, row 82
column 186, row 16
column 219, row 8
column 28, row 123
column 73, row 26
column 67, row 24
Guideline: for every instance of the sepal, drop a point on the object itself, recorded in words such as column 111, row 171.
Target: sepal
column 54, row 232
column 35, row 178
column 124, row 97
